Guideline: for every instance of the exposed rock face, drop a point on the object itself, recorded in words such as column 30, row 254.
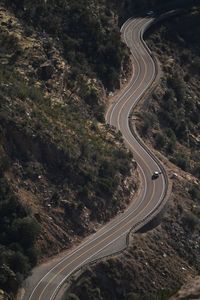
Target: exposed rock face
column 190, row 291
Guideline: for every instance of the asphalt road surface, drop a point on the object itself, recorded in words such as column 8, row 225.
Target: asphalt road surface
column 47, row 279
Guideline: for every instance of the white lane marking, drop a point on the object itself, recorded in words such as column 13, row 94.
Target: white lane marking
column 132, row 212
column 139, row 68
column 131, row 96
column 141, row 32
column 127, row 90
column 140, row 168
column 101, row 249
column 124, row 92
column 83, row 263
column 92, row 240
column 150, row 82
column 86, row 242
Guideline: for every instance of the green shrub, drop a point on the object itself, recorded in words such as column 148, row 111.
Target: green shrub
column 103, row 52
column 17, row 236
column 190, row 221
column 194, row 193
column 30, row 229
column 196, row 171
column 160, row 140
column 180, row 160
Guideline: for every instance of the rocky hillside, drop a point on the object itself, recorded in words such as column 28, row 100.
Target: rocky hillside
column 127, row 8
column 189, row 291
column 62, row 170
column 158, row 262
column 173, row 117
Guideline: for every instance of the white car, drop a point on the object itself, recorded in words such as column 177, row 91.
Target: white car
column 155, row 175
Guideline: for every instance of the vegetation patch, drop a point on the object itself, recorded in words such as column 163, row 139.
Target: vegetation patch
column 19, row 230
column 158, row 262
column 64, row 171
column 173, row 119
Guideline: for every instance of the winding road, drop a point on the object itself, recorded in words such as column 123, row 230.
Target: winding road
column 46, row 281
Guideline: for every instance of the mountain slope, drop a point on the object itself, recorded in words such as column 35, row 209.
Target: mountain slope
column 158, row 262
column 66, row 170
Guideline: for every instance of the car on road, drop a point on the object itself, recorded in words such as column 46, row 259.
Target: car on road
column 155, row 175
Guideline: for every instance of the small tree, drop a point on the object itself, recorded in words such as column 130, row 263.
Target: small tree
column 160, row 140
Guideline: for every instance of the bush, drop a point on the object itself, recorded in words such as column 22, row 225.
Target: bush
column 194, row 193
column 179, row 87
column 26, row 230
column 149, row 122
column 160, row 140
column 190, row 221
column 196, row 171
column 18, row 262
column 180, row 160
column 17, row 236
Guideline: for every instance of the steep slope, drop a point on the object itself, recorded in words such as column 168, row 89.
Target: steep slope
column 127, row 8
column 173, row 116
column 61, row 167
column 189, row 291
column 158, row 262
